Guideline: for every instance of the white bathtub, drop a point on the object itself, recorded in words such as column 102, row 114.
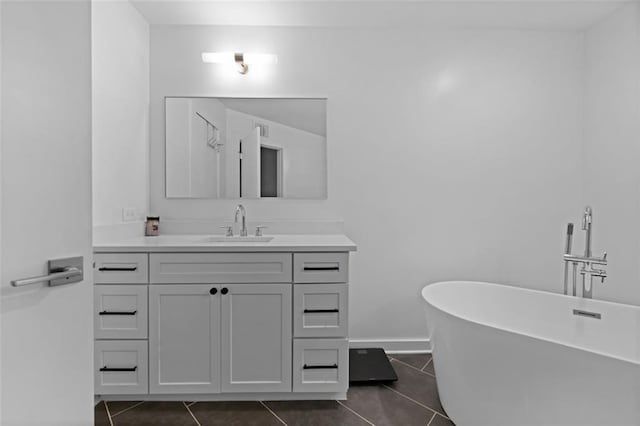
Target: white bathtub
column 510, row 356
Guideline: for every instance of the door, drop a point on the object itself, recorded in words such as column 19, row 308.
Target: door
column 184, row 338
column 250, row 164
column 47, row 332
column 256, row 338
column 270, row 172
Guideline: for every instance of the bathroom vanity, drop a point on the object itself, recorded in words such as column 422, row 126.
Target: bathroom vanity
column 220, row 319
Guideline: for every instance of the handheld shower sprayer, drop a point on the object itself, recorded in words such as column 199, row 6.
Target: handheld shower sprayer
column 586, row 226
column 567, row 250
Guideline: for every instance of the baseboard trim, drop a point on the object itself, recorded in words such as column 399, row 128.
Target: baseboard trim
column 395, row 346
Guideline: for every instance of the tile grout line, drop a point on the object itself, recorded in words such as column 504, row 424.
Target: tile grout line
column 356, row 413
column 192, row 415
column 272, row 412
column 428, row 362
column 415, row 368
column 405, row 363
column 410, row 399
column 129, row 408
column 106, row 407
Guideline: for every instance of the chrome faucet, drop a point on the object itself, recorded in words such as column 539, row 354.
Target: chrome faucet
column 586, row 226
column 240, row 209
column 587, row 271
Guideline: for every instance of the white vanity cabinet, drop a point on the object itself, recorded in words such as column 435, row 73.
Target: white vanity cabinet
column 219, row 338
column 222, row 323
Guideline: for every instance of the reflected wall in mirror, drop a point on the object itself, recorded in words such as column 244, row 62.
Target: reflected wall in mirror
column 245, row 148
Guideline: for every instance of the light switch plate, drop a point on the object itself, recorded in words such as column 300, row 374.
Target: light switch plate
column 129, row 214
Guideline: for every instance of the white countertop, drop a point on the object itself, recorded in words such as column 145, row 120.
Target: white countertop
column 200, row 243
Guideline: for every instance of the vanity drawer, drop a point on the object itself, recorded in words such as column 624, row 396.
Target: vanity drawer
column 320, row 267
column 120, row 311
column 320, row 365
column 320, row 310
column 121, row 367
column 121, row 268
column 209, row 268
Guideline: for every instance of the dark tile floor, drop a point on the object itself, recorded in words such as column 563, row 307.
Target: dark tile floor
column 412, row 400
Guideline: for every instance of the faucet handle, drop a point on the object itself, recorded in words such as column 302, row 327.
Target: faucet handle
column 259, row 229
column 229, row 229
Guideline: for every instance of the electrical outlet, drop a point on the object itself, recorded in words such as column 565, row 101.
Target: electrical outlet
column 129, row 214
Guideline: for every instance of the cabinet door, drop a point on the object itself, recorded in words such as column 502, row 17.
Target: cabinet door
column 184, row 337
column 256, row 338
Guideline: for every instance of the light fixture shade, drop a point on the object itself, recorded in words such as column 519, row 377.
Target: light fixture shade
column 218, row 57
column 260, row 59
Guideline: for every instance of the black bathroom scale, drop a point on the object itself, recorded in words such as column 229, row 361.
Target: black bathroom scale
column 370, row 366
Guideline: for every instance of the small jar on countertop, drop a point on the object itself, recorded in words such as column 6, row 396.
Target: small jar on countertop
column 152, row 228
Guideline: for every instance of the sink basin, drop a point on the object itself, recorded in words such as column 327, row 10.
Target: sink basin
column 223, row 239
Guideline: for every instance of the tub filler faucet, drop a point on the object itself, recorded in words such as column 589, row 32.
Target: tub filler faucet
column 588, row 270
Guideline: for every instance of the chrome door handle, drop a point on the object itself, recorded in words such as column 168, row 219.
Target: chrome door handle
column 61, row 271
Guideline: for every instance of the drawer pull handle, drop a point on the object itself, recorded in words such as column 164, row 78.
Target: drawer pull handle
column 321, row 268
column 117, row 312
column 123, row 269
column 105, row 368
column 320, row 311
column 319, row 367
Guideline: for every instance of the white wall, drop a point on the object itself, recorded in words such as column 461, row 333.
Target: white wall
column 612, row 149
column 120, row 67
column 451, row 155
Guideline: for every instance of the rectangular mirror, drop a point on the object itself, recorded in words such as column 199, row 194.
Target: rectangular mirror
column 246, row 148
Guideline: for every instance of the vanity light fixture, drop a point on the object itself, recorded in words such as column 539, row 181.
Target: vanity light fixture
column 243, row 60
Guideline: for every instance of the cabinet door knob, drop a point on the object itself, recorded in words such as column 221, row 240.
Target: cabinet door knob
column 213, row 291
column 224, row 290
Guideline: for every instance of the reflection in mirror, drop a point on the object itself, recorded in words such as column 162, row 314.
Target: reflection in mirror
column 245, row 148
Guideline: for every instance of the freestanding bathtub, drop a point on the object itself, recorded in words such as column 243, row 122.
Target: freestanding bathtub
column 507, row 356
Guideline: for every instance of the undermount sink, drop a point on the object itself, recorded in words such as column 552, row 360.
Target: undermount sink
column 223, row 239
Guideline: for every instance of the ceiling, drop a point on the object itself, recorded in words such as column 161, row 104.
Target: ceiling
column 309, row 114
column 504, row 14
